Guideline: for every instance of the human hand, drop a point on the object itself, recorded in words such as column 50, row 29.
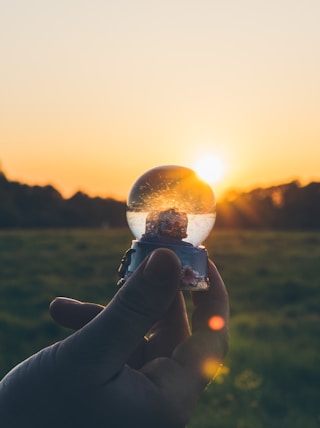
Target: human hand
column 106, row 374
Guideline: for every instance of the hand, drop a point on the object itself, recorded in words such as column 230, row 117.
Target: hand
column 106, row 374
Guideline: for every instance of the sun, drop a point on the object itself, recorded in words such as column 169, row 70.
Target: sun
column 210, row 168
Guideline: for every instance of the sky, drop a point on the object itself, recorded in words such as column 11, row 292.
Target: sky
column 94, row 93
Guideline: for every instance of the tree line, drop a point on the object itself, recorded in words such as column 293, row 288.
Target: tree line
column 24, row 206
column 287, row 206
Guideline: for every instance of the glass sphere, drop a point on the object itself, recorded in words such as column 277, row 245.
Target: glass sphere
column 171, row 203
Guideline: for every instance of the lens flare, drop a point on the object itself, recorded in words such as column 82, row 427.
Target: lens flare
column 216, row 323
column 222, row 373
column 210, row 367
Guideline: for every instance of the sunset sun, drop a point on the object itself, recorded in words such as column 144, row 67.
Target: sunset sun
column 210, row 168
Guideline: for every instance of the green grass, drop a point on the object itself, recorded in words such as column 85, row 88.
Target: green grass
column 272, row 372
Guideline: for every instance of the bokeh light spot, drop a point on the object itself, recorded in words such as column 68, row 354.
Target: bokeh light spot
column 248, row 380
column 210, row 367
column 222, row 373
column 216, row 322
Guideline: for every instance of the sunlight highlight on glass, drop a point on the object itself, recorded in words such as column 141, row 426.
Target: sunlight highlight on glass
column 216, row 323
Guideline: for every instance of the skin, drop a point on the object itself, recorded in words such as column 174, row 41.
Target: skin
column 107, row 374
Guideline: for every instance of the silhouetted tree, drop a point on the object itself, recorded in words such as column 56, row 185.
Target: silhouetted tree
column 287, row 206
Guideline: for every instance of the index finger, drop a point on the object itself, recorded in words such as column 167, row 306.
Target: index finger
column 204, row 351
column 103, row 346
column 211, row 307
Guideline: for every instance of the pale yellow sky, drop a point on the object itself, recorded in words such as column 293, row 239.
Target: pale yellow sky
column 93, row 93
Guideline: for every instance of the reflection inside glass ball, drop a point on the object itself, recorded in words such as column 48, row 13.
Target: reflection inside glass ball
column 175, row 197
column 169, row 223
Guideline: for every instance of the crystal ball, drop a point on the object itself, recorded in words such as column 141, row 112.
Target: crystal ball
column 172, row 203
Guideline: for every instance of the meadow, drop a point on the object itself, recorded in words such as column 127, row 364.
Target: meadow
column 271, row 375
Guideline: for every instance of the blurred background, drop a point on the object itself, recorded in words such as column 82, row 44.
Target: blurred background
column 95, row 93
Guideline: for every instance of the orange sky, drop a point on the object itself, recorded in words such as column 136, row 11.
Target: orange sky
column 93, row 93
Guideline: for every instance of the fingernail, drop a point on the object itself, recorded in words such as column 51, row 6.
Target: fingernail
column 58, row 301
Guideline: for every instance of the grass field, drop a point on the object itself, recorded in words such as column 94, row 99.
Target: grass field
column 271, row 376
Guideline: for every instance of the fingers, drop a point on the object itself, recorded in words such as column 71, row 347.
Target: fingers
column 106, row 343
column 73, row 314
column 171, row 330
column 212, row 305
column 203, row 352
